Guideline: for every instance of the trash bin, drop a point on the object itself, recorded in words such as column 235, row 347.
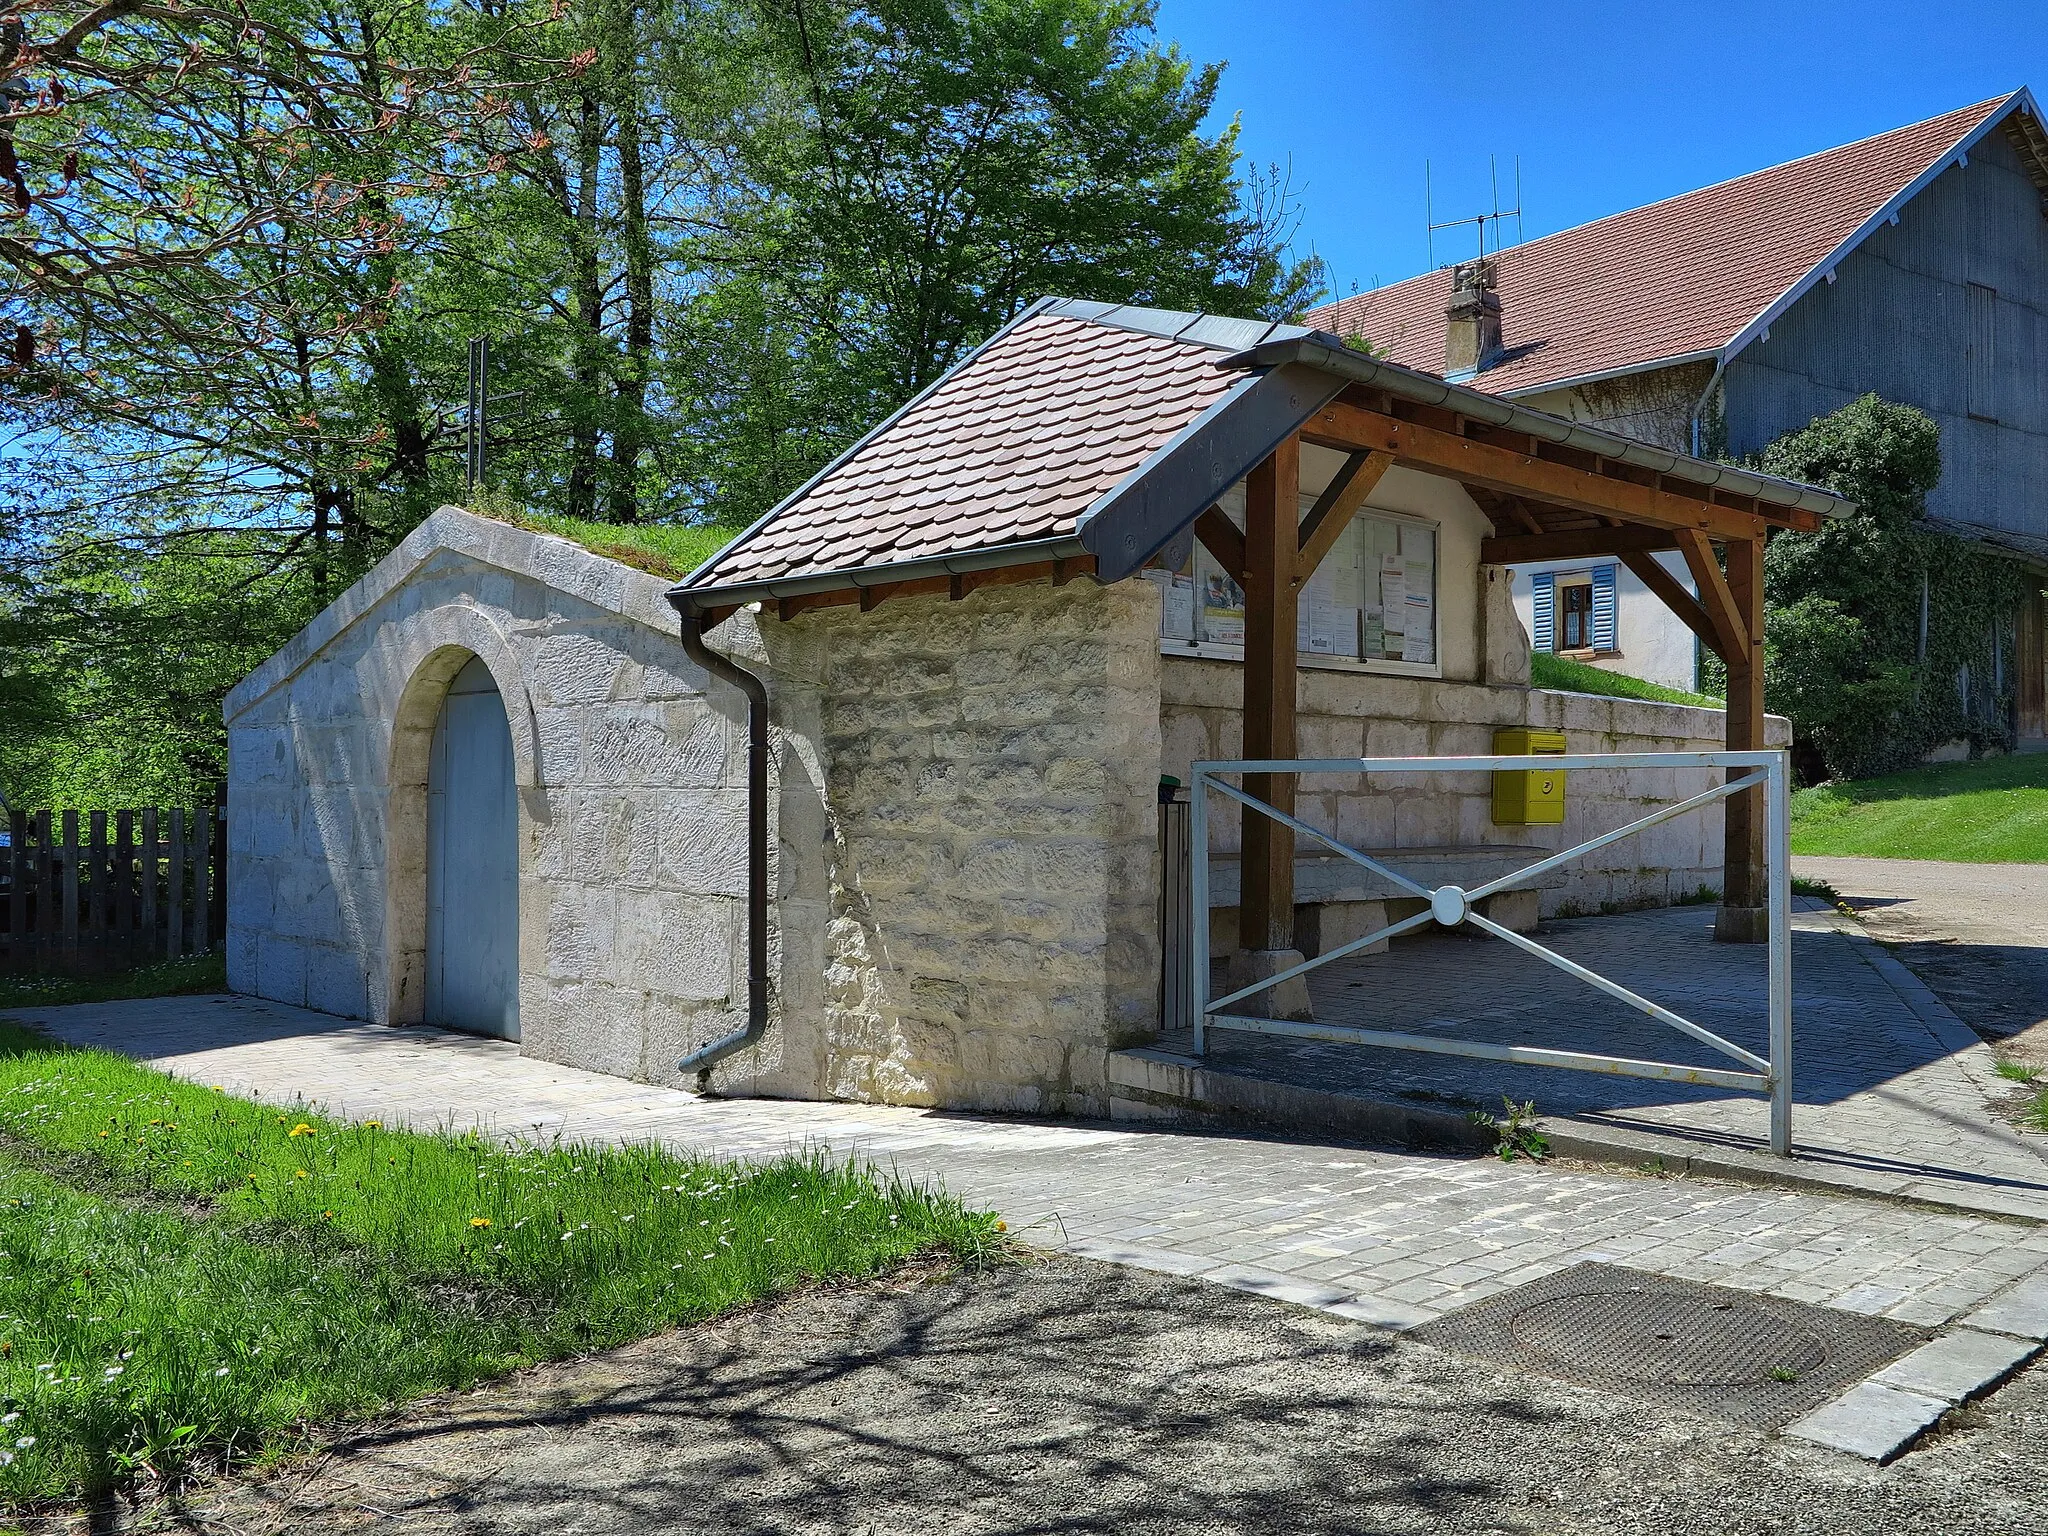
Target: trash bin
column 1528, row 797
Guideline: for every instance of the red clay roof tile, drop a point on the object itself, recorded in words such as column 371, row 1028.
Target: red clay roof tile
column 1683, row 276
column 1015, row 445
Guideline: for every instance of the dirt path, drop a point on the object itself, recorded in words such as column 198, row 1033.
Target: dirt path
column 1977, row 934
column 1072, row 1397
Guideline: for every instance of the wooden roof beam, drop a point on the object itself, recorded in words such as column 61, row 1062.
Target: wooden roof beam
column 1344, row 426
column 1575, row 544
column 1671, row 592
column 1334, row 509
column 1220, row 537
column 1724, row 614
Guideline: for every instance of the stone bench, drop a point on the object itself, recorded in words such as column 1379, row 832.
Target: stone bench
column 1336, row 900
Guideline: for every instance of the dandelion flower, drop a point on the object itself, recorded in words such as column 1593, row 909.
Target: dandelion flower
column 1002, row 1226
column 303, row 1129
column 373, row 1125
column 302, row 1174
column 479, row 1221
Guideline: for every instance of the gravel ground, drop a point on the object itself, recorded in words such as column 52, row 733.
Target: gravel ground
column 1062, row 1396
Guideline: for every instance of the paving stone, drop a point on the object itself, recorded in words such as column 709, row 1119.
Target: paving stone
column 1404, row 1236
column 1891, row 1088
column 1959, row 1366
column 1870, row 1420
column 2022, row 1311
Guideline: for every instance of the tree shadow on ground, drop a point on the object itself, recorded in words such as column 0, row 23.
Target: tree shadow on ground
column 1041, row 1399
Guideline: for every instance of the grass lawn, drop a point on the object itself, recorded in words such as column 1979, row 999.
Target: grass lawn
column 187, row 1277
column 1989, row 812
column 2034, row 1114
column 166, row 978
column 1569, row 676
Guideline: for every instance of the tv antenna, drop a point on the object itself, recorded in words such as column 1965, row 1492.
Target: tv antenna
column 1479, row 219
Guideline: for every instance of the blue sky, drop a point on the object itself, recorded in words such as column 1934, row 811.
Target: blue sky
column 1609, row 105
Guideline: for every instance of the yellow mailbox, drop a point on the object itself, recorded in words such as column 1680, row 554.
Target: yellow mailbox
column 1524, row 797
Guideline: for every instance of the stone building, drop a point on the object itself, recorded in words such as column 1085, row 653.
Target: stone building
column 1912, row 264
column 981, row 637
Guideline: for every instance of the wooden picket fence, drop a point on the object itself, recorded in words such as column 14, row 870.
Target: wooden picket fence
column 155, row 889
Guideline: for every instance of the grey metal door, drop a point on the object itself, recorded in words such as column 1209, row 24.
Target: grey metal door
column 473, row 863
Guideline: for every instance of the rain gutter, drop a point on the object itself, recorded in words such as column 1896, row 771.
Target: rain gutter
column 702, row 1060
column 966, row 562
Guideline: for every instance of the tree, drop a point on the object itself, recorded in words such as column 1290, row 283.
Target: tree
column 917, row 172
column 710, row 242
column 1883, row 636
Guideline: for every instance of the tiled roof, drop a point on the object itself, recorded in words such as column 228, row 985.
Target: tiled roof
column 1013, row 446
column 1099, row 429
column 1682, row 277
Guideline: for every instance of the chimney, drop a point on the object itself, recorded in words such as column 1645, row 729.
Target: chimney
column 1471, row 322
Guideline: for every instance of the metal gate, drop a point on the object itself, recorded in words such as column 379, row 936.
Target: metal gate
column 1449, row 906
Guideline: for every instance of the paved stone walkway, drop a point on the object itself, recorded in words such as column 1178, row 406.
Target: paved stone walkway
column 1893, row 1093
column 1379, row 1236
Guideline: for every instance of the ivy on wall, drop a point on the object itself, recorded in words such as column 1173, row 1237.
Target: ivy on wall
column 1883, row 639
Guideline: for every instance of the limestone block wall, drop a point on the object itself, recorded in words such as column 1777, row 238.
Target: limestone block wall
column 966, row 879
column 631, row 788
column 1357, row 714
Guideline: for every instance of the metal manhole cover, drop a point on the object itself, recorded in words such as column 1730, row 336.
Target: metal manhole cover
column 1658, row 1336
column 1754, row 1359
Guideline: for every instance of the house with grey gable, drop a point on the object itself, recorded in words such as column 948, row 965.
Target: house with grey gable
column 1913, row 264
column 868, row 806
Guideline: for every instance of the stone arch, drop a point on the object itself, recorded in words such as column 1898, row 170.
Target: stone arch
column 429, row 648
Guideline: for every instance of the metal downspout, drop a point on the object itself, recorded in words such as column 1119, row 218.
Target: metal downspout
column 702, row 1060
column 1699, row 409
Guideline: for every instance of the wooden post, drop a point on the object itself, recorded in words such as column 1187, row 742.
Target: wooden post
column 202, row 885
column 219, row 931
column 1744, row 891
column 46, row 895
column 70, row 896
column 174, row 889
column 152, row 850
column 18, row 942
column 124, row 886
column 97, row 907
column 1272, row 541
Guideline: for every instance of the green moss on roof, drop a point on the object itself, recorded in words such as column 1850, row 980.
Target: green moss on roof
column 661, row 549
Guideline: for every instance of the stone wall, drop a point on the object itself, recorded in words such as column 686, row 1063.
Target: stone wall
column 1358, row 714
column 631, row 788
column 967, row 880
column 963, row 800
column 962, row 796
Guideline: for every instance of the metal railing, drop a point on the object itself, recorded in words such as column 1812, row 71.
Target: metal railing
column 1449, row 906
column 1176, row 919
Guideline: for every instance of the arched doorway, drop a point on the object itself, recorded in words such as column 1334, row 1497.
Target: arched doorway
column 472, row 862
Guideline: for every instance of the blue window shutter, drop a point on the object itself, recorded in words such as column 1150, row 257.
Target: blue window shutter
column 1543, row 615
column 1603, row 607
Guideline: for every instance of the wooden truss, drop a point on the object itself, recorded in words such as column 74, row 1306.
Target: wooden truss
column 1545, row 502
